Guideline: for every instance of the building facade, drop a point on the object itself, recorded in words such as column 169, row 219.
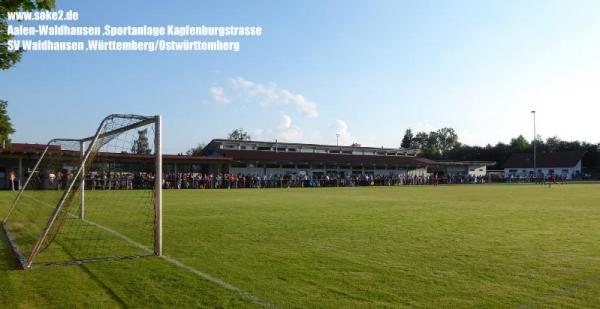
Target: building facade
column 277, row 158
column 565, row 163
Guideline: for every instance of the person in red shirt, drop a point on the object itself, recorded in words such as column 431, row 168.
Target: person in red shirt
column 551, row 180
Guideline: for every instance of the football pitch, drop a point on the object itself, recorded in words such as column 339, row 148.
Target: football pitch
column 521, row 246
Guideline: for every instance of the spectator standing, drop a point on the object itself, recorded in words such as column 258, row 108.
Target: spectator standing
column 13, row 180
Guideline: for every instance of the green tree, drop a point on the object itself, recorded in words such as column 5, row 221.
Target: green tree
column 520, row 144
column 239, row 135
column 355, row 144
column 420, row 140
column 407, row 140
column 141, row 145
column 431, row 147
column 9, row 58
column 446, row 140
column 434, row 144
column 195, row 151
column 553, row 144
column 6, row 128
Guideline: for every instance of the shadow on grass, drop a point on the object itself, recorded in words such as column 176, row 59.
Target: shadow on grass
column 104, row 286
column 8, row 263
column 8, row 260
column 113, row 295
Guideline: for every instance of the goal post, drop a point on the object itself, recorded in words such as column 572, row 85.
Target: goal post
column 92, row 199
column 158, row 188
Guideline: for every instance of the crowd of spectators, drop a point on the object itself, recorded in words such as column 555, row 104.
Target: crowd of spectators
column 130, row 181
column 231, row 181
column 539, row 178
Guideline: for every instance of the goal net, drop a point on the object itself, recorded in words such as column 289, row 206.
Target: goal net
column 91, row 199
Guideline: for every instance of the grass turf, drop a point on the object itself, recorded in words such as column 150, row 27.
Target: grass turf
column 450, row 246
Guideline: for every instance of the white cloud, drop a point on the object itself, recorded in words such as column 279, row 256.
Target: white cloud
column 272, row 95
column 285, row 121
column 218, row 95
column 287, row 131
column 341, row 128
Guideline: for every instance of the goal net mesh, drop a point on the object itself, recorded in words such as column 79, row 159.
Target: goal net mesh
column 89, row 200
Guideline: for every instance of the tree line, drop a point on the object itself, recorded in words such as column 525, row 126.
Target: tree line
column 444, row 144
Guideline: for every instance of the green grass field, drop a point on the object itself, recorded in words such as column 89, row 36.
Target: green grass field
column 450, row 246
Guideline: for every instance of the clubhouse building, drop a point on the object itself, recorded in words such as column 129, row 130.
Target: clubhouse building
column 277, row 158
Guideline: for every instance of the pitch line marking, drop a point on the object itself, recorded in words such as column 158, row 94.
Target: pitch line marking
column 177, row 263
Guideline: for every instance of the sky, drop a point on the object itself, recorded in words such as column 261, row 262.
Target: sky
column 366, row 70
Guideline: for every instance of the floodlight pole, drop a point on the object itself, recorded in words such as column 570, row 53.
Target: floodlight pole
column 534, row 145
column 337, row 139
column 82, row 184
column 158, row 187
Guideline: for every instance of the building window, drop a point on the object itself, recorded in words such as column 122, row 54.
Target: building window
column 264, row 148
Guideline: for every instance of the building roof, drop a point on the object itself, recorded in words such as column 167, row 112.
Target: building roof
column 214, row 145
column 37, row 149
column 544, row 160
column 465, row 163
column 166, row 157
column 23, row 148
column 324, row 158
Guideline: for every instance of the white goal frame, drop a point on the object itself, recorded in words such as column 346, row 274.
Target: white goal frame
column 26, row 262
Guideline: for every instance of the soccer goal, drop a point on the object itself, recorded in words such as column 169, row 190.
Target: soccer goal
column 92, row 199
